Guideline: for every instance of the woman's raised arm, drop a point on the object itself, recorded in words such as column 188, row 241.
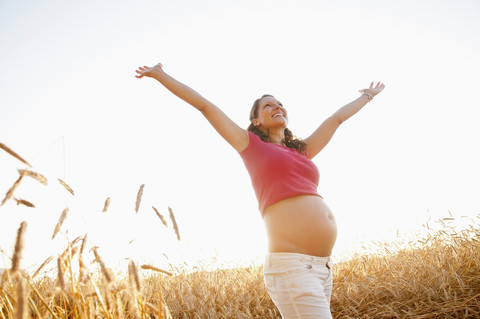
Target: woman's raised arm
column 324, row 133
column 229, row 130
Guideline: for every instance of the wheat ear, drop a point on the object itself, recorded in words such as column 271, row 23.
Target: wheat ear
column 60, row 274
column 17, row 254
column 49, row 259
column 60, row 222
column 174, row 222
column 148, row 267
column 104, row 269
column 164, row 222
column 12, row 190
column 21, row 307
column 68, row 188
column 36, row 176
column 11, row 152
column 23, row 202
column 107, row 203
column 133, row 289
column 76, row 240
column 133, row 274
column 139, row 198
column 84, row 242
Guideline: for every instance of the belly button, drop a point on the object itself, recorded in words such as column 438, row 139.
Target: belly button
column 308, row 266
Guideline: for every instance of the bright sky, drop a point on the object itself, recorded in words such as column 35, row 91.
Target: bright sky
column 71, row 106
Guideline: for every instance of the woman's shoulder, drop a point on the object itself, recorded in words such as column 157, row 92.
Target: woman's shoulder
column 253, row 140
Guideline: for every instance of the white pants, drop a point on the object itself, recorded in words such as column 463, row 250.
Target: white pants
column 299, row 285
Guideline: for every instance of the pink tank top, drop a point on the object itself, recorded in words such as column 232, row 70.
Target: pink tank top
column 278, row 172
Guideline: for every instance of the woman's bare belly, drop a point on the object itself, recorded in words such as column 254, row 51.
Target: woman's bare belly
column 302, row 224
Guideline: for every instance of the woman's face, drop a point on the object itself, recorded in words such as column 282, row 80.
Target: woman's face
column 271, row 114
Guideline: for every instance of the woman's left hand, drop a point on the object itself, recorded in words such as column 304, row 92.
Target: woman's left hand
column 149, row 71
column 374, row 90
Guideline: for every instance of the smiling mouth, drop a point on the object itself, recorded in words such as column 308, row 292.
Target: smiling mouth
column 278, row 114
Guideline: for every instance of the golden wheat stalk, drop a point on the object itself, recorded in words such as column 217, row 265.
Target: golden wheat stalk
column 36, row 176
column 21, row 307
column 174, row 223
column 60, row 274
column 139, row 198
column 99, row 295
column 12, row 190
column 68, row 188
column 23, row 202
column 60, row 222
column 69, row 252
column 84, row 242
column 164, row 222
column 103, row 268
column 152, row 307
column 105, row 206
column 149, row 267
column 66, row 252
column 17, row 254
column 133, row 274
column 76, row 240
column 107, row 297
column 166, row 312
column 133, row 310
column 11, row 152
column 118, row 307
column 81, row 270
column 49, row 259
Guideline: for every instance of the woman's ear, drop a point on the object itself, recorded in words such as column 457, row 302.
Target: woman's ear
column 255, row 122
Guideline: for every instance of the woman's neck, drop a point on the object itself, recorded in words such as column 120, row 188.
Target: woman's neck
column 276, row 136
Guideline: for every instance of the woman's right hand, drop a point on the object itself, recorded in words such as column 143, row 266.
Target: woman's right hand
column 149, row 71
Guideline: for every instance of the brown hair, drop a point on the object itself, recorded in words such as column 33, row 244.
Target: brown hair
column 289, row 141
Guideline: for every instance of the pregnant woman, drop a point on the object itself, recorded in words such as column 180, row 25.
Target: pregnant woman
column 300, row 227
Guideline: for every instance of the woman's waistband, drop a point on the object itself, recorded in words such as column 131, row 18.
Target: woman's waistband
column 286, row 256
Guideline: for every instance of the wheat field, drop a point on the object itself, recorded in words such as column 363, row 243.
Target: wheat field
column 435, row 276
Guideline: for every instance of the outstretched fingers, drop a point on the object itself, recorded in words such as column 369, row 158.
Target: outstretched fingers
column 141, row 70
column 140, row 73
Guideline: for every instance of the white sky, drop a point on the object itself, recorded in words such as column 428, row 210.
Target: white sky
column 70, row 105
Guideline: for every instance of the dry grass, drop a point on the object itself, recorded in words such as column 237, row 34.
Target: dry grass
column 437, row 277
